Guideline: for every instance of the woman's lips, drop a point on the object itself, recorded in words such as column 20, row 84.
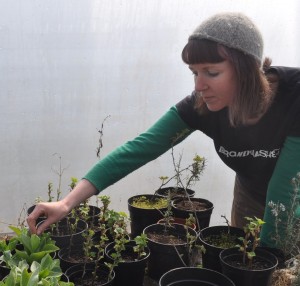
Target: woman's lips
column 208, row 99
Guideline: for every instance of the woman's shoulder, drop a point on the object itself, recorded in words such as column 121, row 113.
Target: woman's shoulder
column 283, row 75
column 285, row 84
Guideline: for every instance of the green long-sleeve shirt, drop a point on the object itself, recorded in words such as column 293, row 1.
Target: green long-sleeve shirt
column 265, row 156
column 135, row 153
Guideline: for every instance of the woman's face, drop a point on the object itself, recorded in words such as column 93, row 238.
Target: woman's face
column 216, row 82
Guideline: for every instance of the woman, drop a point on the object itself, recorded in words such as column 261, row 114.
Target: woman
column 249, row 109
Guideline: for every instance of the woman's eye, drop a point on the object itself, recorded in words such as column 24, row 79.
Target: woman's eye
column 212, row 73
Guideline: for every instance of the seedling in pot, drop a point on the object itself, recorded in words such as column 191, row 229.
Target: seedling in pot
column 105, row 200
column 141, row 244
column 252, row 231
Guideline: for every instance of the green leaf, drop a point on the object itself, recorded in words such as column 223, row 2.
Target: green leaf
column 9, row 281
column 22, row 254
column 35, row 242
column 46, row 261
column 36, row 256
column 34, row 279
column 250, row 254
column 62, row 283
column 15, row 229
column 25, row 276
column 50, row 248
column 25, row 240
column 44, row 282
column 44, row 273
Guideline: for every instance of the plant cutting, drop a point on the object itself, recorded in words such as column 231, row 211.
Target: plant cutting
column 168, row 218
column 90, row 257
column 86, row 264
column 147, row 209
column 248, row 264
column 79, row 254
column 95, row 239
column 184, row 206
column 184, row 221
column 108, row 218
column 183, row 203
column 99, row 273
column 252, row 229
column 175, row 192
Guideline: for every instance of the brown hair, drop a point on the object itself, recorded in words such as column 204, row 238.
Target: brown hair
column 254, row 93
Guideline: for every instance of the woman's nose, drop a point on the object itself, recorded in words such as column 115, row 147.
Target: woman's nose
column 200, row 84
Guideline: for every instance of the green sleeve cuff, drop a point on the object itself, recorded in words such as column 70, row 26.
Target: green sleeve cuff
column 133, row 154
column 281, row 190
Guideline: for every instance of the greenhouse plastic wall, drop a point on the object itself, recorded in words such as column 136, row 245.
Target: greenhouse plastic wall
column 66, row 65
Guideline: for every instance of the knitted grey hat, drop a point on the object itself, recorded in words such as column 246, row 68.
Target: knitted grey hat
column 234, row 30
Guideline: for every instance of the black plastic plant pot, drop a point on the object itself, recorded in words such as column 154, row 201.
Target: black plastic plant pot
column 175, row 192
column 4, row 270
column 64, row 278
column 80, row 275
column 281, row 257
column 231, row 261
column 132, row 270
column 211, row 235
column 141, row 218
column 194, row 276
column 180, row 208
column 167, row 255
column 75, row 256
column 64, row 236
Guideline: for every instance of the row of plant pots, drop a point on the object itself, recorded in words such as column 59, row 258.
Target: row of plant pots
column 89, row 238
column 129, row 272
column 223, row 266
column 147, row 209
column 171, row 239
column 222, row 254
column 164, row 257
column 215, row 258
column 84, row 238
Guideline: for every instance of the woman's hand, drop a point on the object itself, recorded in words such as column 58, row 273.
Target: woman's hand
column 55, row 211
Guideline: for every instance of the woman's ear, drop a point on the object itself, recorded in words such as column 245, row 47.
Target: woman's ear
column 272, row 77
